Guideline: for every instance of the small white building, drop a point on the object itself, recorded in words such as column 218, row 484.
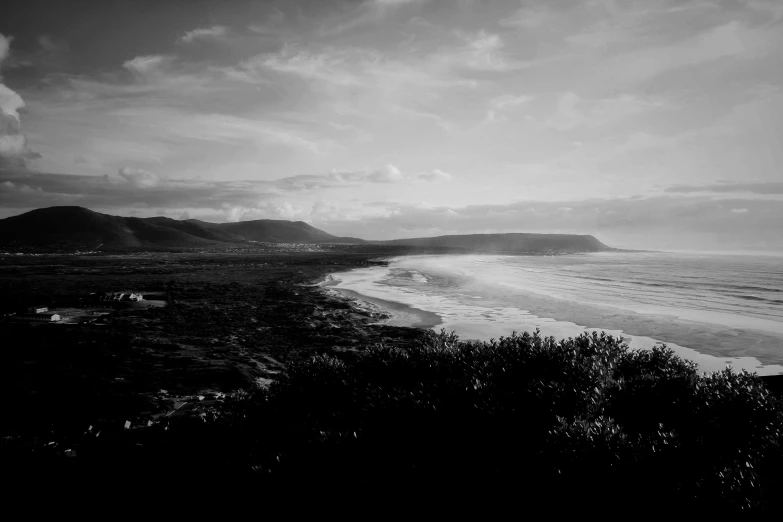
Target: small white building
column 38, row 309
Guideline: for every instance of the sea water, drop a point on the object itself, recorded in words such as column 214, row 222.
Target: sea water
column 712, row 309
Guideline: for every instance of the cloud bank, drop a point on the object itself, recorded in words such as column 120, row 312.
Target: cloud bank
column 14, row 150
column 206, row 33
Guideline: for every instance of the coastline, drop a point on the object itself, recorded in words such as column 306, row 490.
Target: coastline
column 399, row 314
column 704, row 344
column 396, row 313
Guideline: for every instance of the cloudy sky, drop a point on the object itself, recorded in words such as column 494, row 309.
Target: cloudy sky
column 648, row 123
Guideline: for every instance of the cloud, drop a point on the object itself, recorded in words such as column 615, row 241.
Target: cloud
column 574, row 111
column 129, row 188
column 368, row 12
column 771, row 9
column 771, row 187
column 5, row 47
column 731, row 39
column 143, row 66
column 51, row 55
column 12, row 142
column 273, row 21
column 481, row 51
column 205, row 33
column 139, row 178
column 333, row 65
column 391, row 3
column 633, row 222
column 351, row 67
column 505, row 103
column 435, row 175
column 330, row 211
column 439, row 120
column 527, row 17
column 268, row 209
column 10, row 103
column 510, row 100
column 171, row 123
column 14, row 150
column 139, row 188
column 9, row 186
column 385, row 175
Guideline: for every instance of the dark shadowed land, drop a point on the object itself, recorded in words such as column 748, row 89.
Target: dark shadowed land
column 99, row 394
column 230, row 321
column 239, row 366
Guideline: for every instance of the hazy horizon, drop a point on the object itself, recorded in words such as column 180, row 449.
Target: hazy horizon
column 649, row 125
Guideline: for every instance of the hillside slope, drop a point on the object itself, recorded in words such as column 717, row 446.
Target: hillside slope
column 268, row 230
column 78, row 227
column 516, row 243
column 72, row 227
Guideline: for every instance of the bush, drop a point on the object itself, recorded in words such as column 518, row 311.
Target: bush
column 528, row 415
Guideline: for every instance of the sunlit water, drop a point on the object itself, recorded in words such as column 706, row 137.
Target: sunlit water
column 715, row 310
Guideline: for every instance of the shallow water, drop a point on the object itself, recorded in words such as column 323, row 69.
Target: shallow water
column 715, row 310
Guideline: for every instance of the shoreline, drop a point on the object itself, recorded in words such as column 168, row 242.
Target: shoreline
column 657, row 333
column 398, row 314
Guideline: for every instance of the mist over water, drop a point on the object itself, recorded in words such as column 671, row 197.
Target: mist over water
column 715, row 310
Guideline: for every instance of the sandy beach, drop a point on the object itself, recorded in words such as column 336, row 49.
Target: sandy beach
column 426, row 292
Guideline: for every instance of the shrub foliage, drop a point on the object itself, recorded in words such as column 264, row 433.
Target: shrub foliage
column 580, row 418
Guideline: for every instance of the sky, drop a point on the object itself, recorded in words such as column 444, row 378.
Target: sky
column 648, row 124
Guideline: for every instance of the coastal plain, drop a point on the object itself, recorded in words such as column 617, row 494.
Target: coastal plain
column 231, row 321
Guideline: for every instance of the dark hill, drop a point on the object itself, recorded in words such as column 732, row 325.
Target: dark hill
column 194, row 228
column 77, row 227
column 509, row 243
column 71, row 227
column 268, row 230
column 59, row 225
column 273, row 231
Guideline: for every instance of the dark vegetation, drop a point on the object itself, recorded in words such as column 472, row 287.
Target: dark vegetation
column 524, row 418
column 357, row 409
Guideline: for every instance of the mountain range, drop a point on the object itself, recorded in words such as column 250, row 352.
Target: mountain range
column 73, row 227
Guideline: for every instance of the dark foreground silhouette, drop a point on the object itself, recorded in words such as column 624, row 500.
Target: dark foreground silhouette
column 574, row 425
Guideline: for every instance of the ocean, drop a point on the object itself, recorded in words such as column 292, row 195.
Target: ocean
column 716, row 310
